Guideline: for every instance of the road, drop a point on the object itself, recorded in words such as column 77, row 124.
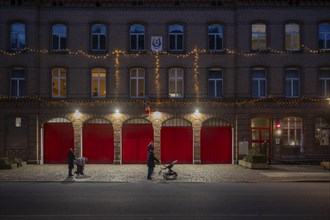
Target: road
column 98, row 201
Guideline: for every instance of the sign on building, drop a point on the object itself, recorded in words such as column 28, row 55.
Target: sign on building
column 156, row 43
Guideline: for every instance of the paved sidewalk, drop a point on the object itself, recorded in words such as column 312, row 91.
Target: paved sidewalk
column 186, row 173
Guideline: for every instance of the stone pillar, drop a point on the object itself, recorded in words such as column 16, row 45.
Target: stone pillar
column 77, row 128
column 157, row 126
column 117, row 128
column 197, row 125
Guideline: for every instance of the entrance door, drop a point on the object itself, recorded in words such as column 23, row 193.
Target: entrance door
column 58, row 138
column 261, row 134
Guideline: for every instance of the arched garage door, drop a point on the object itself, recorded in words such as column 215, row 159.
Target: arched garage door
column 176, row 141
column 137, row 133
column 98, row 141
column 216, row 142
column 58, row 138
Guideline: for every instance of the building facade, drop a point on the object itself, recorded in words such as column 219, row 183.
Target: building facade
column 206, row 80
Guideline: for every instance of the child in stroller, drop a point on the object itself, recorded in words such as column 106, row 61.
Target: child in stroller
column 167, row 172
column 80, row 162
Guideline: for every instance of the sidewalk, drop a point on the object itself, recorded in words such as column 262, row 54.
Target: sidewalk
column 186, row 173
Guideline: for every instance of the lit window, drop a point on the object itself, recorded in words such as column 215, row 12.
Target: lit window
column 292, row 83
column 137, row 37
column 324, row 36
column 322, row 131
column 17, row 36
column 137, row 82
column 292, row 37
column 98, row 83
column 215, row 83
column 215, row 37
column 175, row 37
column 258, row 37
column 176, row 82
column 59, row 35
column 292, row 131
column 258, row 82
column 17, row 82
column 98, row 37
column 58, row 82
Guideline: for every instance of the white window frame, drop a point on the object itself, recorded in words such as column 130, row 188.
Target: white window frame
column 326, row 36
column 175, row 38
column 292, row 35
column 18, row 81
column 259, row 81
column 292, row 81
column 98, row 35
column 215, row 36
column 214, row 81
column 134, row 75
column 325, row 81
column 259, row 35
column 60, row 36
column 291, row 129
column 16, row 35
column 322, row 132
column 176, row 78
column 99, row 78
column 58, row 79
column 137, row 38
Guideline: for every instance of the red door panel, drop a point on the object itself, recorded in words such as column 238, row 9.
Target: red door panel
column 98, row 143
column 58, row 138
column 177, row 144
column 216, row 145
column 136, row 137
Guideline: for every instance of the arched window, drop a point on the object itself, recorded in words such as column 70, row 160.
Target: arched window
column 292, row 130
column 175, row 82
column 175, row 37
column 98, row 83
column 322, row 131
column 215, row 32
column 137, row 32
column 17, row 36
column 292, row 37
column 258, row 36
column 137, row 79
column 58, row 82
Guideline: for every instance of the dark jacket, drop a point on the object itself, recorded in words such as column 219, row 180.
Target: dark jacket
column 151, row 159
column 71, row 159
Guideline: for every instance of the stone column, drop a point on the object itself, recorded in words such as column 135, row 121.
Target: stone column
column 157, row 126
column 117, row 128
column 197, row 125
column 77, row 129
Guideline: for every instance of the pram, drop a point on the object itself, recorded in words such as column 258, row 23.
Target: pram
column 167, row 172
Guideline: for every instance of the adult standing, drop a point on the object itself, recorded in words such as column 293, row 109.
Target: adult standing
column 71, row 159
column 151, row 160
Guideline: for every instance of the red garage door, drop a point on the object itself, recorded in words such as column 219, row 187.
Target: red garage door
column 58, row 138
column 176, row 141
column 136, row 137
column 216, row 144
column 98, row 142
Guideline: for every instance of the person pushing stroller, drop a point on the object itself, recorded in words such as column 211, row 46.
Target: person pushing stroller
column 80, row 162
column 151, row 160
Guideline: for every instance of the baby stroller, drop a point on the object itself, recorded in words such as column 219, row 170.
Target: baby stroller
column 167, row 172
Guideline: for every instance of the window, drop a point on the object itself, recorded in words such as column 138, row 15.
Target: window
column 59, row 82
column 17, row 82
column 215, row 37
column 59, row 35
column 325, row 82
column 98, row 83
column 322, row 131
column 137, row 37
column 292, row 131
column 292, row 83
column 17, row 36
column 258, row 82
column 137, row 82
column 176, row 82
column 215, row 83
column 98, row 37
column 176, row 37
column 258, row 37
column 292, row 37
column 324, row 36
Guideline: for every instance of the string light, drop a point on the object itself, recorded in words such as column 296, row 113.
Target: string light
column 196, row 73
column 117, row 72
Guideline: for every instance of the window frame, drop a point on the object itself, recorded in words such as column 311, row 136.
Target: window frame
column 216, row 37
column 292, row 130
column 58, row 79
column 19, row 83
column 99, row 79
column 292, row 34
column 214, row 81
column 176, row 80
column 259, row 81
column 324, row 82
column 15, row 35
column 292, row 81
column 60, row 37
column 259, row 36
column 136, row 79
column 326, row 36
column 176, row 41
column 138, row 38
column 99, row 35
column 322, row 130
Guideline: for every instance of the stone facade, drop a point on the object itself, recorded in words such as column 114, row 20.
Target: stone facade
column 235, row 59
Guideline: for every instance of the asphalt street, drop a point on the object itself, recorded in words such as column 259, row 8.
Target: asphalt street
column 168, row 200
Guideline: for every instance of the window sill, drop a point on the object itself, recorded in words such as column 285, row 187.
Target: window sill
column 66, row 51
column 98, row 51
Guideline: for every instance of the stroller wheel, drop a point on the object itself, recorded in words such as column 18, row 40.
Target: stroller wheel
column 171, row 176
